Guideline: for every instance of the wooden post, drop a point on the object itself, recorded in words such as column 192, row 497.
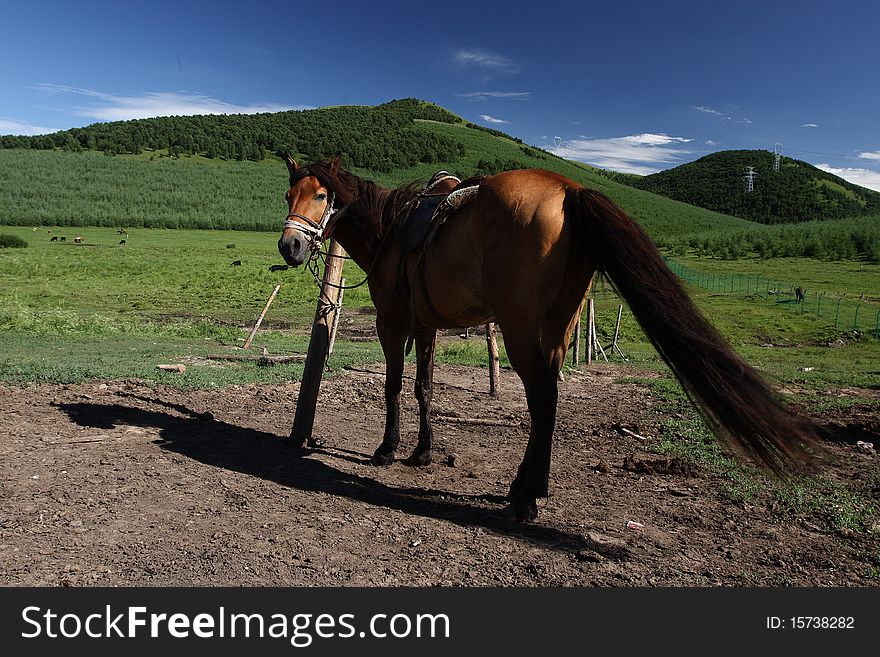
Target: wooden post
column 336, row 313
column 576, row 347
column 247, row 343
column 591, row 336
column 307, row 402
column 494, row 362
column 614, row 346
column 597, row 348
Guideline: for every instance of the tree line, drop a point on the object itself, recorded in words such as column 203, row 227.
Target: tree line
column 379, row 138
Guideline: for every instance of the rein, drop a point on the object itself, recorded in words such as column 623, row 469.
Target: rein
column 314, row 231
column 313, row 265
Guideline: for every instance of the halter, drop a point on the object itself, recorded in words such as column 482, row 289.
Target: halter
column 311, row 229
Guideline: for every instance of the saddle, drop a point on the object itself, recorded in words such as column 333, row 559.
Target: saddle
column 430, row 209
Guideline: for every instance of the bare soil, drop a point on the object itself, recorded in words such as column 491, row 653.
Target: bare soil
column 118, row 483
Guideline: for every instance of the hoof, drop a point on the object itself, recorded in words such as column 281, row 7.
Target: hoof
column 382, row 459
column 523, row 510
column 419, row 459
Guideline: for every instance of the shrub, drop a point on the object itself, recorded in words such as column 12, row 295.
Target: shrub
column 11, row 242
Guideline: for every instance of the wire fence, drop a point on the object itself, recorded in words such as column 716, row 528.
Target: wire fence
column 849, row 314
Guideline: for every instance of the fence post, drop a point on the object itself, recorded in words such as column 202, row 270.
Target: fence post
column 310, row 385
column 856, row 317
column 837, row 314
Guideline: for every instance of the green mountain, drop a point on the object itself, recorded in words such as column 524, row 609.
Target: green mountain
column 797, row 192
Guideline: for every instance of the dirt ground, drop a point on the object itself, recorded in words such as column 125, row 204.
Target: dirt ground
column 118, row 483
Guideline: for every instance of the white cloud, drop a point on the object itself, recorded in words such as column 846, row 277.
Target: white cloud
column 479, row 96
column 492, row 119
column 13, row 127
column 870, row 155
column 864, row 177
column 642, row 154
column 810, row 125
column 484, row 60
column 723, row 115
column 111, row 107
column 711, row 142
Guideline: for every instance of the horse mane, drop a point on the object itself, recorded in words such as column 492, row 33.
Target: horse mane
column 370, row 204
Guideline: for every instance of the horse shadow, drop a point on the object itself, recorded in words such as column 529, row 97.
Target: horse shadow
column 216, row 443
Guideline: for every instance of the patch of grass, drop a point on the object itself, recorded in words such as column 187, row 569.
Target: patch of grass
column 471, row 352
column 841, row 509
column 77, row 358
column 686, row 436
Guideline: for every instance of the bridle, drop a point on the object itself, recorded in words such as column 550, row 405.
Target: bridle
column 312, row 230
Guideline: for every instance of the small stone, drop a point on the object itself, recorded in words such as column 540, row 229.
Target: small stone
column 451, row 459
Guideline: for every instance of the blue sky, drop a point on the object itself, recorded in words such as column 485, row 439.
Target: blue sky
column 629, row 86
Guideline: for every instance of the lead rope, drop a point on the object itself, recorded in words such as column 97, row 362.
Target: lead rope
column 312, row 264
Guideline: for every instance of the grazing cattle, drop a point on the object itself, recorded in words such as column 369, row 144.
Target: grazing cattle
column 121, row 231
column 236, row 263
column 63, row 239
column 78, row 240
column 121, row 242
column 279, row 267
column 799, row 293
column 54, row 239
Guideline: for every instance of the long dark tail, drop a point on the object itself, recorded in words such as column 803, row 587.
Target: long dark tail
column 739, row 405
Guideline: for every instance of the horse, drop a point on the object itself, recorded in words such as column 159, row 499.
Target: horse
column 523, row 253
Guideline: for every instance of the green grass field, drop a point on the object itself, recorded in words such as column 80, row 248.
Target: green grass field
column 170, row 294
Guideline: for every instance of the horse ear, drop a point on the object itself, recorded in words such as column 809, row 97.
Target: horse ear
column 335, row 164
column 292, row 166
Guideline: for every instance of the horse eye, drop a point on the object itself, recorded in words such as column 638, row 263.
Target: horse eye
column 320, row 197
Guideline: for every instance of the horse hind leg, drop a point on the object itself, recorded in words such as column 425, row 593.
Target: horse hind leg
column 539, row 377
column 424, row 391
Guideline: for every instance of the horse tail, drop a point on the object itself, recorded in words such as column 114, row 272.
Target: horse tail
column 739, row 405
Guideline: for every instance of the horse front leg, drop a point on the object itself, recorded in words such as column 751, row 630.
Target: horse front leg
column 392, row 341
column 424, row 390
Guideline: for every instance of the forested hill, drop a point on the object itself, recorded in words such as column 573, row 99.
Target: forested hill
column 797, row 192
column 379, row 138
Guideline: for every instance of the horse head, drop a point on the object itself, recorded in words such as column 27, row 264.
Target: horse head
column 310, row 207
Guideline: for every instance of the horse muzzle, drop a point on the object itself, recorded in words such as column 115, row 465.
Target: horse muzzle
column 294, row 249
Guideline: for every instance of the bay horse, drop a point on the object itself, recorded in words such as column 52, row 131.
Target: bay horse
column 523, row 253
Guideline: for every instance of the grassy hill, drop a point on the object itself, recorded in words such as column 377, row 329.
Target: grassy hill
column 797, row 192
column 224, row 172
